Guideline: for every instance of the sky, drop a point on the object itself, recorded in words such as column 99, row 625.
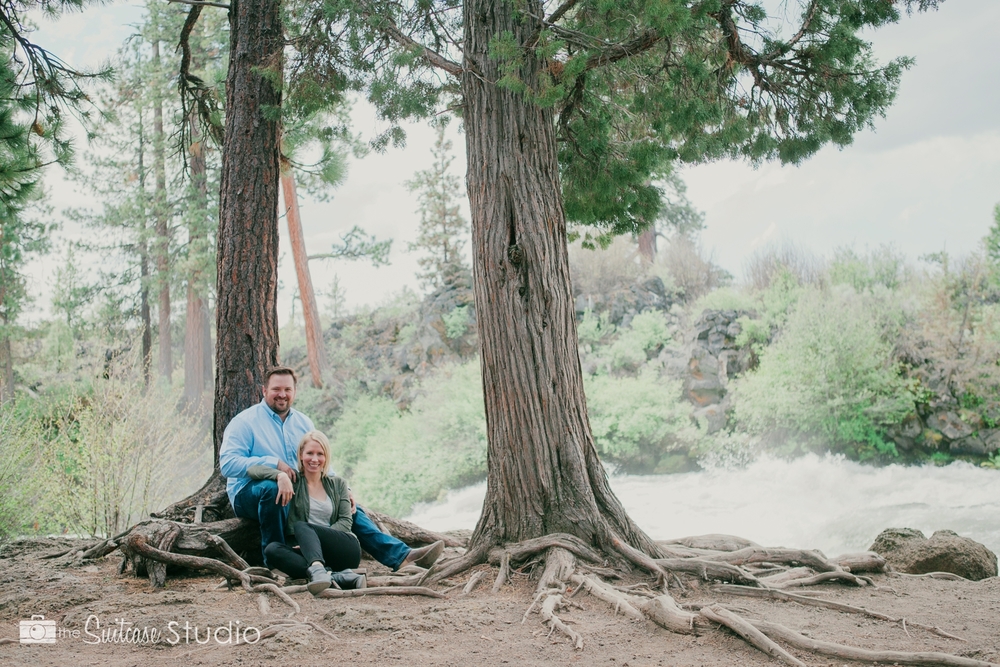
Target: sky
column 924, row 179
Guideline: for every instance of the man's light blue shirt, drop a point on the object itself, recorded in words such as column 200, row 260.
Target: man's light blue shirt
column 257, row 436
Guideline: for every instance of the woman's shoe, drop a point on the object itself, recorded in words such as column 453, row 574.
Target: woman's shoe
column 319, row 578
column 349, row 580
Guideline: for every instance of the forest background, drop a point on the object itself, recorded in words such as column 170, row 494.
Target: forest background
column 405, row 406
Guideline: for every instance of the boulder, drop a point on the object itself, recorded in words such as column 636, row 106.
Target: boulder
column 907, row 550
column 973, row 445
column 950, row 425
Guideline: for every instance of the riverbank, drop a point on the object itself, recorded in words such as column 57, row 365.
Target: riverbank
column 823, row 502
column 481, row 628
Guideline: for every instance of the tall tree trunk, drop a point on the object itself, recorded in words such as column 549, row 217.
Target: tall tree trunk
column 162, row 221
column 6, row 362
column 196, row 376
column 246, row 312
column 315, row 349
column 147, row 334
column 647, row 245
column 544, row 472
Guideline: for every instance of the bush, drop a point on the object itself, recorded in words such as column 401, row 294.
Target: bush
column 644, row 338
column 635, row 420
column 768, row 262
column 830, row 377
column 883, row 267
column 22, row 480
column 408, row 457
column 604, row 271
column 691, row 272
column 118, row 454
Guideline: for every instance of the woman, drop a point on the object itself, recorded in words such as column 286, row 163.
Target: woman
column 319, row 521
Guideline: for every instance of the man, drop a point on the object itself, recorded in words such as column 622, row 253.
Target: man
column 268, row 434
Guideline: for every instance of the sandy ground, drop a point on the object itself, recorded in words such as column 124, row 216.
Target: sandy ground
column 479, row 629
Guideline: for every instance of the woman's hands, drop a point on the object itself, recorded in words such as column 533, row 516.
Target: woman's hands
column 285, row 490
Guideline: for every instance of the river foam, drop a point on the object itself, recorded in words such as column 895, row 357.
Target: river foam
column 826, row 503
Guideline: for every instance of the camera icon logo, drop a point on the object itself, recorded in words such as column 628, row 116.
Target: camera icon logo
column 38, row 631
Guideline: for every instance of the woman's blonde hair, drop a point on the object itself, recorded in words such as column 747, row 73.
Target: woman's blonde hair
column 314, row 436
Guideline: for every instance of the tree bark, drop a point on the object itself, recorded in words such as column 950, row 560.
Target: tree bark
column 162, row 222
column 247, row 255
column 147, row 334
column 6, row 364
column 315, row 349
column 196, row 374
column 544, row 472
column 647, row 245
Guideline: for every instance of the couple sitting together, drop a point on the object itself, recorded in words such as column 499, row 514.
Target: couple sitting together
column 277, row 467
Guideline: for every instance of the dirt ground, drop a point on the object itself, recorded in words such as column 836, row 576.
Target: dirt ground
column 478, row 629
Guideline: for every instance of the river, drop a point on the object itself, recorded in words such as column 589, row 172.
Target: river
column 817, row 502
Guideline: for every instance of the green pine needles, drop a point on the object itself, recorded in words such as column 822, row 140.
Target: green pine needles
column 634, row 85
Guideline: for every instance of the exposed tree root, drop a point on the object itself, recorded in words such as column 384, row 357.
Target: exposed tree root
column 395, row 590
column 866, row 561
column 136, row 545
column 754, row 636
column 828, row 604
column 824, row 577
column 707, row 570
column 948, row 576
column 599, row 590
column 362, row 592
column 780, row 632
column 473, row 582
column 504, row 572
column 411, row 533
column 548, row 614
column 559, row 566
column 807, row 558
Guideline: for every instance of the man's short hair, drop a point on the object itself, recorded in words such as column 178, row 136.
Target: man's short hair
column 280, row 370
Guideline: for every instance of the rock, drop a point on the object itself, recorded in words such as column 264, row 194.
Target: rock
column 907, row 550
column 713, row 416
column 950, row 425
column 973, row 445
column 992, row 441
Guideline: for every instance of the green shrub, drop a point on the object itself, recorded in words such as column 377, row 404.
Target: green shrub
column 635, row 420
column 456, row 322
column 883, row 266
column 407, row 457
column 592, row 329
column 118, row 454
column 22, row 481
column 645, row 336
column 365, row 418
column 830, row 376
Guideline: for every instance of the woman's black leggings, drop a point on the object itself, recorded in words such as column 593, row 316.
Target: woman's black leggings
column 337, row 549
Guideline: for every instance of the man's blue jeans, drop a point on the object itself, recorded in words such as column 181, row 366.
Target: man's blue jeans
column 384, row 548
column 257, row 501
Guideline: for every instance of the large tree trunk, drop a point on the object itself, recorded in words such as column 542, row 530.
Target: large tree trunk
column 160, row 212
column 144, row 315
column 196, row 330
column 246, row 312
column 544, row 473
column 315, row 349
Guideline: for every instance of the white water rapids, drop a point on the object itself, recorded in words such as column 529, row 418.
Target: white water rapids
column 825, row 503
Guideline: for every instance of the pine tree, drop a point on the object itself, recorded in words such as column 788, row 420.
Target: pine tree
column 442, row 230
column 573, row 115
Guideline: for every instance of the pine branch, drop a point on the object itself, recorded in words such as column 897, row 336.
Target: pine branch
column 388, row 27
